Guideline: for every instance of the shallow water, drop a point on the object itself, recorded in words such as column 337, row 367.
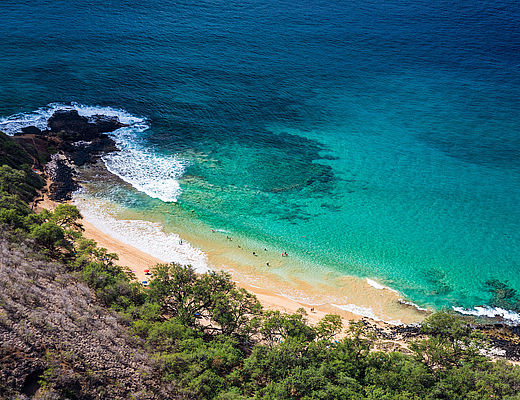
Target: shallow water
column 379, row 139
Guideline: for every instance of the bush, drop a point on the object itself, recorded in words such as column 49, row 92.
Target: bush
column 209, row 302
column 50, row 238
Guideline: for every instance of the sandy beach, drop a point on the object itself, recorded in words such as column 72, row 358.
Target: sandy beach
column 138, row 261
column 222, row 255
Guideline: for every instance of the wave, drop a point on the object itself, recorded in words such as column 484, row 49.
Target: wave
column 14, row 123
column 299, row 297
column 378, row 286
column 365, row 312
column 490, row 312
column 411, row 304
column 154, row 174
column 146, row 170
column 143, row 235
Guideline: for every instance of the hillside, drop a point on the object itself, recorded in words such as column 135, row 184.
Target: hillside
column 75, row 325
column 55, row 337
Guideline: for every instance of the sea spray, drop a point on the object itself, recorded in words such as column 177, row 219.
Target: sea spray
column 412, row 304
column 509, row 316
column 151, row 173
column 378, row 286
column 14, row 123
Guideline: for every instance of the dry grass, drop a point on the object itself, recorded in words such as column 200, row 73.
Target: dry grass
column 52, row 331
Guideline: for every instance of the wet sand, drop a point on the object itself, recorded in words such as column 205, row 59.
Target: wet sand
column 273, row 290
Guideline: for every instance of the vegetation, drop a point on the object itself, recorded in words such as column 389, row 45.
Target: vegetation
column 16, row 158
column 75, row 325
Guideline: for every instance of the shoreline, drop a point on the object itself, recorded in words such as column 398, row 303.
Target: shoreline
column 167, row 234
column 222, row 257
column 142, row 239
column 138, row 261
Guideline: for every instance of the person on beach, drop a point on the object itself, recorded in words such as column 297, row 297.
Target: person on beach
column 255, row 254
column 267, row 264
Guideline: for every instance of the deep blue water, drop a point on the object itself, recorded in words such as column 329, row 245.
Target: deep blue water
column 378, row 138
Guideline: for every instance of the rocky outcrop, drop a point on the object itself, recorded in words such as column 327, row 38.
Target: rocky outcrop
column 62, row 179
column 70, row 140
column 31, row 130
column 106, row 123
column 82, row 138
column 72, row 127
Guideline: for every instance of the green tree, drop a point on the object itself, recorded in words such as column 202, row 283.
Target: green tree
column 211, row 302
column 236, row 312
column 50, row 238
column 449, row 343
column 87, row 251
column 277, row 326
column 17, row 182
column 328, row 327
column 201, row 367
column 67, row 216
column 13, row 202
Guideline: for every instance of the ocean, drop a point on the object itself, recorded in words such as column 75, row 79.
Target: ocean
column 377, row 139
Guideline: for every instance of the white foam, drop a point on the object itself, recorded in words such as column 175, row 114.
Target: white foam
column 299, row 297
column 364, row 312
column 14, row 123
column 491, row 312
column 139, row 165
column 409, row 303
column 378, row 286
column 151, row 173
column 143, row 235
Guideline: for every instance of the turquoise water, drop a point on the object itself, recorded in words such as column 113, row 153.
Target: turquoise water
column 380, row 139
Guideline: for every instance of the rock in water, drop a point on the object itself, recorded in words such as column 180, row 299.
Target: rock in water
column 75, row 140
column 105, row 124
column 71, row 125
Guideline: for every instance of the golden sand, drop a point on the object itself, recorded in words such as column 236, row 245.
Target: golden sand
column 275, row 291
